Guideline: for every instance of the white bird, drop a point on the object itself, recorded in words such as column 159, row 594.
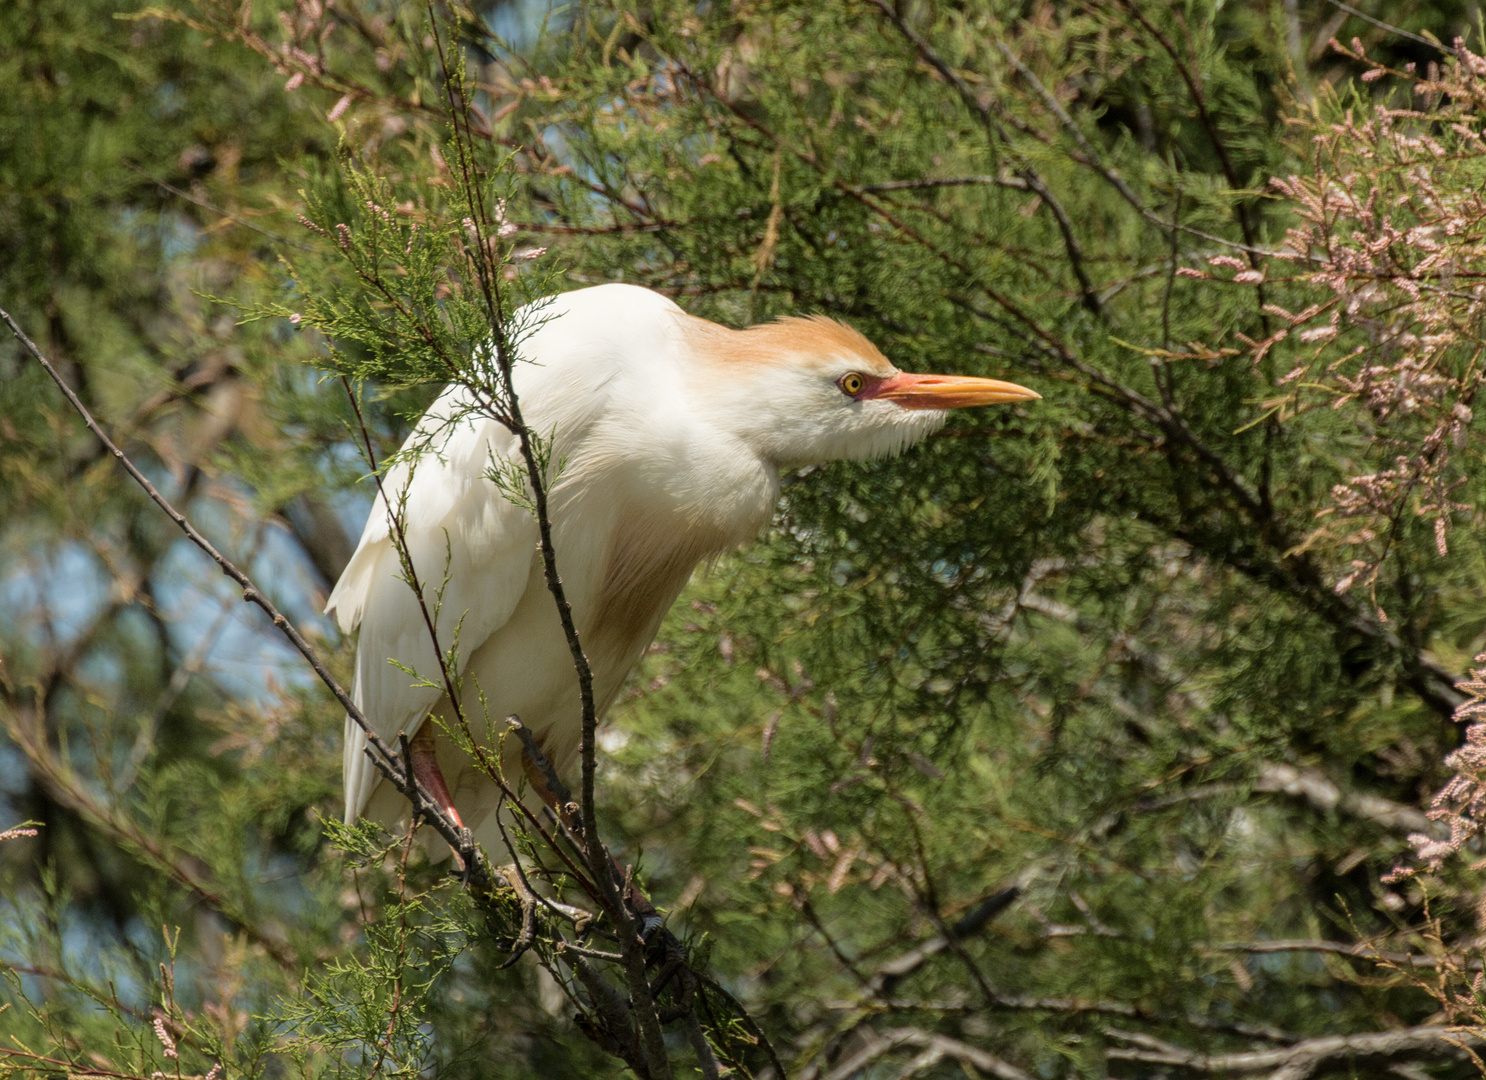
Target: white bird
column 673, row 432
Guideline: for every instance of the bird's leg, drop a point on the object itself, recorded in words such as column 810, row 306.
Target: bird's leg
column 426, row 771
column 538, row 781
column 650, row 919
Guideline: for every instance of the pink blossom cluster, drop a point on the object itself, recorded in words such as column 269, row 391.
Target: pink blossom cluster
column 1391, row 235
column 1461, row 804
column 306, row 29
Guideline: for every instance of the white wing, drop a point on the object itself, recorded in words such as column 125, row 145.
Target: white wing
column 460, row 526
column 462, row 533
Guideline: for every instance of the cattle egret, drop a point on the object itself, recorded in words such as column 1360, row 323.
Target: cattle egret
column 671, row 432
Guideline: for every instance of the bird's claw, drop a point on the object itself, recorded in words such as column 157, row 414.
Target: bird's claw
column 466, row 842
column 650, row 922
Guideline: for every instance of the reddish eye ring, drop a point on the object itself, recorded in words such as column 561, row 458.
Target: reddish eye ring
column 851, row 384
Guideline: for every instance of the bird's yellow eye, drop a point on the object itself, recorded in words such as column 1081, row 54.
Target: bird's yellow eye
column 851, row 383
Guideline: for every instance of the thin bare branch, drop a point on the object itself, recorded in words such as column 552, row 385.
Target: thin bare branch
column 1389, row 27
column 1360, row 950
column 1016, row 183
column 941, row 1046
column 380, row 754
column 1303, row 1059
column 1029, row 176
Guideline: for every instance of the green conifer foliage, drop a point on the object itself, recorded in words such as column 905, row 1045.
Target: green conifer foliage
column 1080, row 740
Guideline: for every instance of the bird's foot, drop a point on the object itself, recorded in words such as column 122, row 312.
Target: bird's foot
column 639, row 903
column 649, row 924
column 466, row 843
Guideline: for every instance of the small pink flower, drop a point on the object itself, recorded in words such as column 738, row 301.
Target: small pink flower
column 295, row 81
column 165, row 1039
column 340, row 108
column 295, row 318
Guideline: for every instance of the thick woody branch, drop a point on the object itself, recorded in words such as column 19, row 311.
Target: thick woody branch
column 1304, row 783
column 1301, row 1060
column 881, row 984
column 1320, row 791
column 885, row 979
column 935, row 1047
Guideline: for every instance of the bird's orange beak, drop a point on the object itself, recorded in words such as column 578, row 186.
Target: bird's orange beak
column 949, row 391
